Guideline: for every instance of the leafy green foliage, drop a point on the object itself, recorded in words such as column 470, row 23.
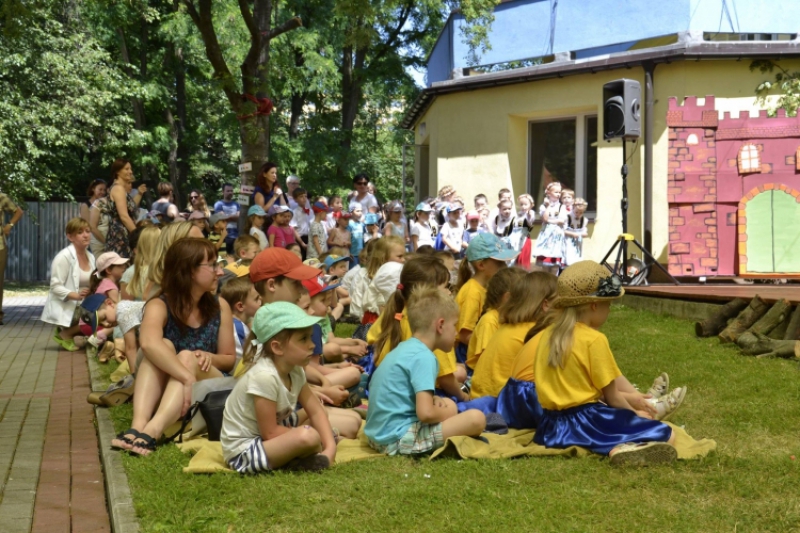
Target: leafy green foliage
column 785, row 84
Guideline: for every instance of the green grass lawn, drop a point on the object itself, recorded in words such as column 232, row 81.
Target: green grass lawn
column 749, row 406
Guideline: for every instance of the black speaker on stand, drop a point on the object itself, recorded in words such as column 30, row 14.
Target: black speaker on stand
column 622, row 120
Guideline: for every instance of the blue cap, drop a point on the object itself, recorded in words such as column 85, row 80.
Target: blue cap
column 333, row 259
column 320, row 207
column 454, row 207
column 256, row 210
column 489, row 246
column 92, row 304
column 422, row 206
column 370, row 219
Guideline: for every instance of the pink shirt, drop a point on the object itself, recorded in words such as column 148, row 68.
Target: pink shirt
column 105, row 286
column 283, row 235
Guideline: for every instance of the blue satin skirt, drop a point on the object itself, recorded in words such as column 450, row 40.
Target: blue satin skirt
column 487, row 405
column 519, row 405
column 598, row 427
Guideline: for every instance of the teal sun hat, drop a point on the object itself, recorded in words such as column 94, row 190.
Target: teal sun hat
column 256, row 210
column 489, row 246
column 273, row 318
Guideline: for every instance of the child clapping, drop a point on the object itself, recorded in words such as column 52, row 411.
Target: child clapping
column 404, row 417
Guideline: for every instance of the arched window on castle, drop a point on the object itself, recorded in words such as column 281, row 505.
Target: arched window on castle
column 749, row 159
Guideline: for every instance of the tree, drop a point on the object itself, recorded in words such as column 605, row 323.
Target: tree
column 786, row 84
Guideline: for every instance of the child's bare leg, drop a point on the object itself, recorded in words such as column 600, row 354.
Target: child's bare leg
column 298, row 442
column 68, row 333
column 346, row 377
column 460, row 373
column 346, row 421
column 470, row 423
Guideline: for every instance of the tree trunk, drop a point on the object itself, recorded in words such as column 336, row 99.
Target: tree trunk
column 717, row 322
column 754, row 310
column 780, row 330
column 763, row 346
column 772, row 318
column 793, row 329
column 139, row 121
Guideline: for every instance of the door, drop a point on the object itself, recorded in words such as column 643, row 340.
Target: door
column 773, row 233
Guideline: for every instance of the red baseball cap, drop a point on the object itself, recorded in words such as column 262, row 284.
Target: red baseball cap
column 274, row 262
column 317, row 285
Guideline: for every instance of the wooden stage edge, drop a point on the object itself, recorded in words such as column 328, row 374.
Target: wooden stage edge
column 718, row 292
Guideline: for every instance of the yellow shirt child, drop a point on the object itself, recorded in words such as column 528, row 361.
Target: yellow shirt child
column 470, row 301
column 497, row 362
column 484, row 330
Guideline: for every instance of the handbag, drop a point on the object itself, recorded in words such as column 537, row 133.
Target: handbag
column 212, row 407
column 206, row 414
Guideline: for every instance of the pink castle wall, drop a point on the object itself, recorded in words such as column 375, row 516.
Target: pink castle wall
column 705, row 186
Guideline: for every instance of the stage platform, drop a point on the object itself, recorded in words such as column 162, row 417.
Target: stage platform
column 718, row 293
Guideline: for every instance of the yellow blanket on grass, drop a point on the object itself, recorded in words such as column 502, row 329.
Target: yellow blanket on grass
column 208, row 459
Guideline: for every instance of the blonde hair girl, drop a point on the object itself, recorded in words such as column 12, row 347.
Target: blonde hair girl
column 574, row 369
column 392, row 327
column 497, row 291
column 171, row 233
column 532, row 296
column 145, row 255
column 486, row 255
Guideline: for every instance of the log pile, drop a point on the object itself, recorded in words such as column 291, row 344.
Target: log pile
column 758, row 328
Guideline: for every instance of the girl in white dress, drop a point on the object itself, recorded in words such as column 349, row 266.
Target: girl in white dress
column 549, row 249
column 575, row 232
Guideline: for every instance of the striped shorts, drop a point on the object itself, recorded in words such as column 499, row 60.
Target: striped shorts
column 253, row 460
column 420, row 438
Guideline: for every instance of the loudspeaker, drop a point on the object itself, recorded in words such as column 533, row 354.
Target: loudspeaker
column 622, row 109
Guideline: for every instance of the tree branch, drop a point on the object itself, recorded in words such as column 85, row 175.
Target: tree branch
column 389, row 43
column 247, row 15
column 192, row 11
column 289, row 25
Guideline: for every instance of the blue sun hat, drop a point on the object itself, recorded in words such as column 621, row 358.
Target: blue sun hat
column 424, row 207
column 370, row 219
column 256, row 210
column 489, row 246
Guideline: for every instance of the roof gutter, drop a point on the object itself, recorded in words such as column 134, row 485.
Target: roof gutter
column 690, row 47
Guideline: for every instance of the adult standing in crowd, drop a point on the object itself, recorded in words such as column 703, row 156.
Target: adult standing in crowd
column 230, row 211
column 368, row 202
column 6, row 205
column 267, row 192
column 121, row 209
column 70, row 279
column 292, row 183
column 92, row 210
column 164, row 205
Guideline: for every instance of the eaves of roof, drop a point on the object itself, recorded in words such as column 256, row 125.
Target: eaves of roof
column 684, row 50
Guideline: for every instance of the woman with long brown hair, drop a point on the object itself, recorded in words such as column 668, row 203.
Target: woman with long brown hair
column 186, row 336
column 268, row 192
column 121, row 208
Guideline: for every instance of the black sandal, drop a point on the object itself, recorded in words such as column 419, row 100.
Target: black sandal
column 149, row 443
column 122, row 436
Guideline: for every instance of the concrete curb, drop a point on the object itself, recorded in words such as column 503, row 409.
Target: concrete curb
column 118, row 493
column 667, row 306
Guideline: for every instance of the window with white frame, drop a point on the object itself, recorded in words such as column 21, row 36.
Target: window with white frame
column 564, row 150
column 749, row 159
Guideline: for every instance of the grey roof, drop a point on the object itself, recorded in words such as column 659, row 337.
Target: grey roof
column 690, row 47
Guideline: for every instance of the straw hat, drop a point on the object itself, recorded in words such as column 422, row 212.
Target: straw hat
column 586, row 282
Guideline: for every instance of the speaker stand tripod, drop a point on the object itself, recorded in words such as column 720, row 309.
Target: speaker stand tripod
column 620, row 267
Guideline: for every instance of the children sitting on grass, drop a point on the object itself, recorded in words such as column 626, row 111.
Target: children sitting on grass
column 261, row 431
column 244, row 301
column 404, row 416
column 574, row 369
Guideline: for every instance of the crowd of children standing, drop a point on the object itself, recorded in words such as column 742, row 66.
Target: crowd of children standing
column 441, row 350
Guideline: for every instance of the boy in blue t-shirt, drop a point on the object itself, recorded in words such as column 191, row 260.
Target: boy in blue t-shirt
column 404, row 417
column 356, row 228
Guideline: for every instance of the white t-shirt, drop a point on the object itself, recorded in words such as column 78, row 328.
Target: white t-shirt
column 263, row 242
column 301, row 220
column 454, row 236
column 330, row 222
column 239, row 423
column 358, row 288
column 368, row 201
column 423, row 232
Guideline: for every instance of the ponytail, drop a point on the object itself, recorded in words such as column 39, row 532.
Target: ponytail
column 391, row 332
column 464, row 274
column 562, row 336
column 96, row 277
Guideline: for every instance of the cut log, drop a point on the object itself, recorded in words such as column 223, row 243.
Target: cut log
column 772, row 318
column 749, row 316
column 780, row 331
column 717, row 322
column 793, row 329
column 763, row 346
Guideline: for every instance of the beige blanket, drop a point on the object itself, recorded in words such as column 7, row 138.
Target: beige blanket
column 208, row 459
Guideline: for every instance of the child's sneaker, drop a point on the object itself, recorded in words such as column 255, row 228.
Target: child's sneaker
column 660, row 386
column 666, row 405
column 644, row 454
column 94, row 341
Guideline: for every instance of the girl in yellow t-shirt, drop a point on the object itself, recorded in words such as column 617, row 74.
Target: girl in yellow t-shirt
column 497, row 292
column 486, row 255
column 392, row 326
column 574, row 369
column 532, row 297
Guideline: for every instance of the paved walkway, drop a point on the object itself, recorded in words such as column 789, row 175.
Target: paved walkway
column 50, row 475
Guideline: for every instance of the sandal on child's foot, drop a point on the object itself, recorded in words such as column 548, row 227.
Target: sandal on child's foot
column 311, row 463
column 143, row 442
column 123, row 442
column 106, row 352
column 660, row 386
column 668, row 404
column 644, row 454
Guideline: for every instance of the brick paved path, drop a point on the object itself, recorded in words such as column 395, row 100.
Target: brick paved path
column 50, row 475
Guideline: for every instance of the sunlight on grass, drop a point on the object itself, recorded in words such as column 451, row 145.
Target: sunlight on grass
column 749, row 406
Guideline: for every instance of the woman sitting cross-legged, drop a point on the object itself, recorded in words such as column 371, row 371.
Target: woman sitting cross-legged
column 186, row 336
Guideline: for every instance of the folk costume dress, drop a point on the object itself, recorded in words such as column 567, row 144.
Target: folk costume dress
column 549, row 248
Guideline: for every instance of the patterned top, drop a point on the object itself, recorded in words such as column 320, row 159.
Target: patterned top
column 5, row 205
column 117, row 236
column 203, row 338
